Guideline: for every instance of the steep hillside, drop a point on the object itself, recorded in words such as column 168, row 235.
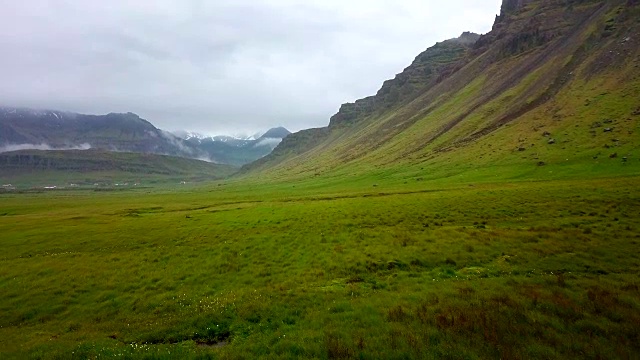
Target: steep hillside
column 35, row 167
column 554, row 83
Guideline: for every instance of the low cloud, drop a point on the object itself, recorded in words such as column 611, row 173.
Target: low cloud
column 18, row 147
column 273, row 142
column 177, row 142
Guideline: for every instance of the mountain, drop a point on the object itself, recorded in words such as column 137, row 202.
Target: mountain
column 553, row 84
column 22, row 129
column 87, row 167
column 45, row 129
column 275, row 133
column 238, row 151
column 186, row 135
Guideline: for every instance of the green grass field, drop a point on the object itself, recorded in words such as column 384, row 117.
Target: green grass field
column 371, row 267
column 494, row 215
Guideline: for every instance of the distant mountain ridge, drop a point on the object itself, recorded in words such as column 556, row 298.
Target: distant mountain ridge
column 238, row 151
column 23, row 129
column 113, row 132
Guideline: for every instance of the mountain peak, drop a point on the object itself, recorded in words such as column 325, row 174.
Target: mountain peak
column 467, row 38
column 276, row 133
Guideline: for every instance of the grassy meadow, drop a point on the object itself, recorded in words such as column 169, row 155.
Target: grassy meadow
column 331, row 267
column 494, row 215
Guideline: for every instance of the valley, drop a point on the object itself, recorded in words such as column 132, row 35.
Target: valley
column 483, row 204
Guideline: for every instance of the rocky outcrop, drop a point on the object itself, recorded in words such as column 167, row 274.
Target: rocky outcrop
column 512, row 6
column 428, row 68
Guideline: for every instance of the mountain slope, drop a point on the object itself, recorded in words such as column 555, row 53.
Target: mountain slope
column 553, row 83
column 37, row 167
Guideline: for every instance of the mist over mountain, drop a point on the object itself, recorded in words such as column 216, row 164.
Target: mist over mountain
column 238, row 150
column 28, row 129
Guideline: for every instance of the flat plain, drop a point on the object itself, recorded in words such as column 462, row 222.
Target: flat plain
column 325, row 268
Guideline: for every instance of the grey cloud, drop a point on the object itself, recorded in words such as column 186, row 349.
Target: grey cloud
column 273, row 142
column 217, row 66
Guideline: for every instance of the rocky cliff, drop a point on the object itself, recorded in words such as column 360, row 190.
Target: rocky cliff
column 428, row 68
column 539, row 57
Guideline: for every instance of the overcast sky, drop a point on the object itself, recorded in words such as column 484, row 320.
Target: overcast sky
column 218, row 66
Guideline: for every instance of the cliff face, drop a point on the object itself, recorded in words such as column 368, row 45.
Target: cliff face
column 431, row 66
column 513, row 6
column 525, row 24
column 539, row 56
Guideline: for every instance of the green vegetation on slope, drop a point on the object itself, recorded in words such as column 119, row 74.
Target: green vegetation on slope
column 86, row 167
